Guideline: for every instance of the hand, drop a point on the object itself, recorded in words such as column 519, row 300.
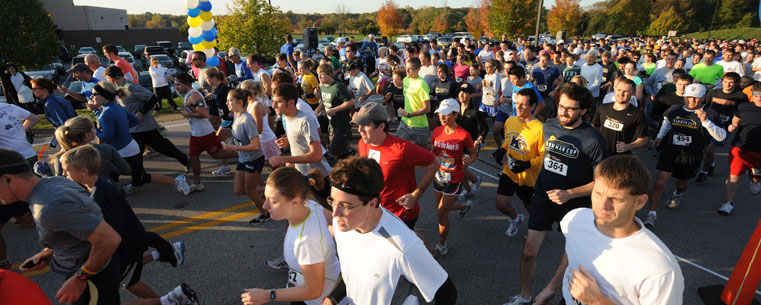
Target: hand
column 657, row 142
column 276, row 161
column 730, row 128
column 327, row 301
column 184, row 113
column 559, row 196
column 520, row 166
column 545, row 297
column 583, row 286
column 330, row 112
column 91, row 106
column 228, row 147
column 139, row 116
column 209, row 97
column 316, row 91
column 701, row 114
column 282, row 142
column 621, row 147
column 499, row 155
column 40, row 260
column 407, row 201
column 402, row 112
column 63, row 89
column 71, row 290
column 255, row 296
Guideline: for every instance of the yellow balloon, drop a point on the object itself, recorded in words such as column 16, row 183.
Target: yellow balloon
column 205, row 16
column 209, row 44
column 198, row 47
column 194, row 21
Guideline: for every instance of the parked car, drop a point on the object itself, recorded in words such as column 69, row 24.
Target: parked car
column 138, row 50
column 599, row 36
column 167, row 62
column 183, row 45
column 87, row 50
column 405, row 38
column 64, row 54
column 121, row 49
column 79, row 59
column 168, row 46
column 58, row 66
column 152, row 50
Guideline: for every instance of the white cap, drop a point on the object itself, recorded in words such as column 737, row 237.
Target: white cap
column 695, row 90
column 741, row 41
column 448, row 106
column 561, row 41
column 592, row 51
column 577, row 51
column 371, row 36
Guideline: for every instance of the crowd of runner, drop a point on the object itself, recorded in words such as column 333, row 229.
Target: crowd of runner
column 565, row 119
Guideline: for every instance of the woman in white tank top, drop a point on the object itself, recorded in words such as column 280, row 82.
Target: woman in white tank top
column 259, row 110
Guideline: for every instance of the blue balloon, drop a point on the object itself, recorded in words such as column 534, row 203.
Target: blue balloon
column 209, row 35
column 194, row 40
column 194, row 12
column 212, row 61
column 204, row 5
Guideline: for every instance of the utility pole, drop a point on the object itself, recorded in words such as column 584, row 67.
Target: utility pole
column 710, row 28
column 538, row 20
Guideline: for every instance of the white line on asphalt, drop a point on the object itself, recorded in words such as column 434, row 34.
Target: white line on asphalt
column 677, row 257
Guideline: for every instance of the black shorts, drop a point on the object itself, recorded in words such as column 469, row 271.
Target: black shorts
column 324, row 192
column 106, row 284
column 680, row 164
column 253, row 167
column 451, row 189
column 544, row 212
column 15, row 209
column 131, row 273
column 508, row 187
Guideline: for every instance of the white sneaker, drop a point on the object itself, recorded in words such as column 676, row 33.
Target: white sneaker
column 181, row 185
column 650, row 220
column 726, row 208
column 439, row 250
column 462, row 195
column 468, row 205
column 129, row 189
column 222, row 171
column 755, row 188
column 182, row 295
column 179, row 252
column 518, row 300
column 195, row 188
column 278, row 263
column 512, row 229
column 476, row 186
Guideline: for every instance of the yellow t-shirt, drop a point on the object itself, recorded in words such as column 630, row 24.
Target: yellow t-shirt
column 308, row 83
column 524, row 142
column 416, row 92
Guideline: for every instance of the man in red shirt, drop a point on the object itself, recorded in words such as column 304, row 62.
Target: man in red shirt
column 112, row 53
column 398, row 159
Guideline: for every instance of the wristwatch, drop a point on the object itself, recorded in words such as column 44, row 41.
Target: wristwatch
column 272, row 295
column 82, row 275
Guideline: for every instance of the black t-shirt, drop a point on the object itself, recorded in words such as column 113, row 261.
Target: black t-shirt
column 725, row 111
column 609, row 72
column 119, row 215
column 687, row 133
column 663, row 102
column 397, row 96
column 749, row 132
column 570, row 156
column 441, row 91
column 469, row 121
column 625, row 126
column 220, row 98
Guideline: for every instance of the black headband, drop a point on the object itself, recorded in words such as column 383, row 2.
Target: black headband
column 102, row 91
column 15, row 169
column 351, row 190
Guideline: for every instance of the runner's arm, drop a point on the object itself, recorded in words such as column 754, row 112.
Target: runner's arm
column 716, row 132
column 337, row 294
column 425, row 179
column 426, row 108
column 313, row 278
column 30, row 121
column 555, row 283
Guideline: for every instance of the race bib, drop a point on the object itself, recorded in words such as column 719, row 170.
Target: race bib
column 554, row 166
column 541, row 87
column 295, row 279
column 756, row 171
column 724, row 118
column 682, row 140
column 510, row 162
column 458, row 79
column 374, row 154
column 613, row 125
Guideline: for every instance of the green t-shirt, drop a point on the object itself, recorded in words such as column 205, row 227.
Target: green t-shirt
column 416, row 92
column 649, row 68
column 333, row 96
column 707, row 74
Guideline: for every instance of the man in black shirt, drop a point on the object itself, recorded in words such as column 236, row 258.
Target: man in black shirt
column 609, row 72
column 622, row 124
column 746, row 149
column 724, row 101
column 442, row 88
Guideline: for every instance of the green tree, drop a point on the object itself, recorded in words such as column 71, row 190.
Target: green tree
column 665, row 22
column 253, row 26
column 511, row 17
column 628, row 17
column 564, row 16
column 29, row 40
column 328, row 25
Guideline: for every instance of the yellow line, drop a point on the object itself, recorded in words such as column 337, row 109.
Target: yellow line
column 204, row 216
column 209, row 223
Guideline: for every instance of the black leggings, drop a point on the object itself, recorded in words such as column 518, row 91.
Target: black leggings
column 139, row 176
column 164, row 93
column 159, row 144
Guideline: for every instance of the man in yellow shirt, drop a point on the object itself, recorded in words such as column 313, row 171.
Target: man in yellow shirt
column 414, row 125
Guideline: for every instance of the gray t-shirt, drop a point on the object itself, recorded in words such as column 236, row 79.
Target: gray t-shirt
column 65, row 216
column 244, row 128
column 302, row 130
column 110, row 162
column 134, row 103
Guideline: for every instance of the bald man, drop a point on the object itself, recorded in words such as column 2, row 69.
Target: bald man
column 98, row 71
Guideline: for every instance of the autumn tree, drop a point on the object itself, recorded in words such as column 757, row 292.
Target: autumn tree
column 665, row 22
column 441, row 23
column 253, row 26
column 473, row 20
column 483, row 12
column 511, row 17
column 565, row 15
column 389, row 19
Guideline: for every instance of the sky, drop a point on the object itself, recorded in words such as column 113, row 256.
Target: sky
column 219, row 7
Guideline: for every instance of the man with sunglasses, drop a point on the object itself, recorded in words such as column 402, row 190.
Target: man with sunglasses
column 82, row 73
column 400, row 269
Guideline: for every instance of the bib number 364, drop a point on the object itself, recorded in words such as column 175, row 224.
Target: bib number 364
column 555, row 166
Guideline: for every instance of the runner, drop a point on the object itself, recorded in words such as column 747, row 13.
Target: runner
column 337, row 102
column 622, row 125
column 524, row 145
column 745, row 153
column 478, row 130
column 403, row 270
column 308, row 247
column 417, row 103
column 443, row 87
column 683, row 135
column 707, row 72
column 572, row 150
column 257, row 107
column 600, row 238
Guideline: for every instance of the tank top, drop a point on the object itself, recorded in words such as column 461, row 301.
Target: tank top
column 267, row 134
column 198, row 127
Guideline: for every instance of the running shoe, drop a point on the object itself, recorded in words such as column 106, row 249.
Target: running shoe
column 650, row 220
column 512, row 229
column 476, row 186
column 188, row 168
column 195, row 187
column 468, row 204
column 181, row 185
column 439, row 250
column 149, row 153
column 518, row 300
column 179, row 252
column 674, row 201
column 162, row 130
column 463, row 195
column 129, row 189
column 183, row 295
column 278, row 263
column 755, row 188
column 260, row 219
column 710, row 170
column 726, row 208
column 702, row 177
column 222, row 171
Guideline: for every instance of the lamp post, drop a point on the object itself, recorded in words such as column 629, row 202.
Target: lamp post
column 538, row 20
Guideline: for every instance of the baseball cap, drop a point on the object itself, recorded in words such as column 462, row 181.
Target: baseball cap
column 561, row 41
column 467, row 88
column 577, row 51
column 695, row 90
column 448, row 106
column 370, row 112
column 78, row 67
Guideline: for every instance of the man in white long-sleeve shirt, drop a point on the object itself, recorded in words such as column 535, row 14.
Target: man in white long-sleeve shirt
column 684, row 134
column 592, row 72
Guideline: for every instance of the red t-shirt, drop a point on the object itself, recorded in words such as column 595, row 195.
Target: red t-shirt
column 126, row 68
column 461, row 73
column 449, row 148
column 16, row 289
column 397, row 159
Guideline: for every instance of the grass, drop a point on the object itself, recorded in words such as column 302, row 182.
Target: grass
column 739, row 33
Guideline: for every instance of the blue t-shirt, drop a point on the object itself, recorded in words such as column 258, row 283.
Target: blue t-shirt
column 526, row 85
column 287, row 49
column 114, row 123
column 544, row 79
column 87, row 87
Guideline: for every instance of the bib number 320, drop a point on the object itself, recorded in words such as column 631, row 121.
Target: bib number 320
column 555, row 166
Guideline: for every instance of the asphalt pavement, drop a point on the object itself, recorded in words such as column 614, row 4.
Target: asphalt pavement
column 224, row 254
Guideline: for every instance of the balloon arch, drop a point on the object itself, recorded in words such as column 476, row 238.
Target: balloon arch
column 202, row 34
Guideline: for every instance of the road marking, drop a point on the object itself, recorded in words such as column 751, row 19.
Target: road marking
column 204, row 216
column 212, row 223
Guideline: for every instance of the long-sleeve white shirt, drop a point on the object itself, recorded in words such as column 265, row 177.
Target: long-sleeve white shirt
column 593, row 75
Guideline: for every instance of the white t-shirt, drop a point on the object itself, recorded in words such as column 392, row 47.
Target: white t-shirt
column 360, row 85
column 100, row 73
column 258, row 75
column 638, row 269
column 198, row 127
column 428, row 74
column 486, row 54
column 383, row 67
column 757, row 64
column 158, row 76
column 611, row 97
column 492, row 89
column 309, row 243
column 17, row 80
column 267, row 134
column 13, row 136
column 400, row 267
